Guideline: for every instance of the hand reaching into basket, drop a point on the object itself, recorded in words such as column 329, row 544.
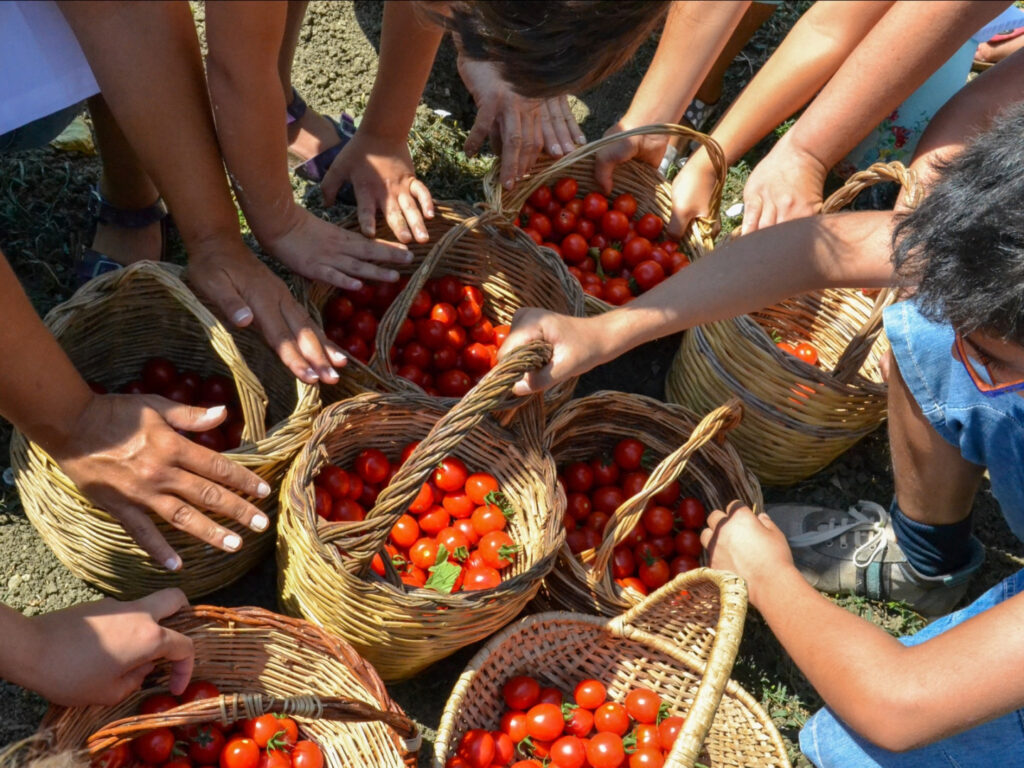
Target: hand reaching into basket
column 95, row 653
column 787, row 184
column 649, row 148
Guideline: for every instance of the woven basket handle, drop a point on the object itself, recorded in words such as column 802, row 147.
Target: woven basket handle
column 707, row 225
column 231, row 708
column 627, row 516
column 447, row 433
column 852, row 358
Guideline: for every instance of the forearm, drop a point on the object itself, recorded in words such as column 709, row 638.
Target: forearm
column 20, row 647
column 756, row 271
column 408, row 45
column 903, row 49
column 694, row 35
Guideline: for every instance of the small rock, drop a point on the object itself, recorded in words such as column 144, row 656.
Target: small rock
column 14, row 582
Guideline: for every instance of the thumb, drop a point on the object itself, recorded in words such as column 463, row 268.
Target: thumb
column 603, row 168
column 189, row 418
column 767, row 522
column 478, row 133
column 331, row 182
column 220, row 290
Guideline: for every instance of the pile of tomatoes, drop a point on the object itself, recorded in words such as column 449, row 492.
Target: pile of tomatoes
column 615, row 253
column 664, row 544
column 161, row 377
column 444, row 345
column 453, row 536
column 267, row 741
column 540, row 728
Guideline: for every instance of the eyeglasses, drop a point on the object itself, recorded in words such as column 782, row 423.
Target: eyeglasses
column 985, row 372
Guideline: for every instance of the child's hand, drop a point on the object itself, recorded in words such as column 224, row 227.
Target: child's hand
column 381, row 173
column 100, row 652
column 691, row 193
column 787, row 184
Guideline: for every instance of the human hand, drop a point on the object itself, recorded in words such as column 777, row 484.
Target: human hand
column 691, row 193
column 124, row 455
column 749, row 545
column 577, row 342
column 100, row 652
column 521, row 126
column 787, row 184
column 650, row 148
column 382, row 175
column 244, row 290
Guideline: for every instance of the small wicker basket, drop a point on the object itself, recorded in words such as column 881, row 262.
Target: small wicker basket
column 401, row 630
column 652, row 192
column 109, row 328
column 694, row 453
column 263, row 663
column 669, row 643
column 799, row 417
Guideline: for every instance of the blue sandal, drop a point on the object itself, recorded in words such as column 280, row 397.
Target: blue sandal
column 91, row 263
column 315, row 168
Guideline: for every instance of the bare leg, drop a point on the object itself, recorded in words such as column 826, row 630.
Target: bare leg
column 934, row 483
column 126, row 185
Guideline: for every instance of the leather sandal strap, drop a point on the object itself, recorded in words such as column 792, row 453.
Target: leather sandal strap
column 107, row 213
column 296, row 109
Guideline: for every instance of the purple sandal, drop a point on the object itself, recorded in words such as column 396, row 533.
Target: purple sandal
column 92, row 263
column 315, row 168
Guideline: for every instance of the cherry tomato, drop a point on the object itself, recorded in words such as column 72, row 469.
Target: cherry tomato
column 513, row 722
column 647, row 273
column 564, row 222
column 451, row 474
column 159, row 702
column 663, row 546
column 356, row 346
column 668, row 731
column 445, row 358
column 476, row 358
column 623, row 563
column 532, row 233
column 544, row 722
column 448, row 289
column 687, row 542
column 625, row 203
column 628, row 454
column 594, row 205
column 458, row 505
column 647, row 736
column 578, row 477
column 682, row 564
column 488, row 518
column 469, row 313
column 115, row 757
column 574, row 248
column 501, row 333
column 372, row 465
column 580, row 722
column 273, row 758
column 481, row 577
column 158, row 374
column 658, row 520
column 504, row 748
column 347, row 511
column 482, row 332
column 421, row 304
column 307, row 754
column 526, row 764
column 617, row 291
column 605, row 750
column 405, row 532
column 199, row 689
column 611, row 260
column 653, row 573
column 431, row 333
column 668, row 495
column 614, row 225
column 424, row 500
column 542, row 225
column 364, row 325
column 498, row 549
column 585, row 228
column 590, row 693
column 649, row 226
column 635, row 251
column 205, row 742
column 611, row 717
column 424, row 552
column 154, row 746
column 477, row 748
column 578, row 506
column 568, row 752
column 807, row 353
column 597, row 521
column 607, row 498
column 646, row 757
column 786, row 347
column 454, row 383
column 565, row 189
column 417, row 354
column 633, row 482
column 414, row 576
column 677, row 261
column 479, row 485
column 643, row 705
column 550, row 695
column 540, row 197
column 445, row 314
column 632, row 582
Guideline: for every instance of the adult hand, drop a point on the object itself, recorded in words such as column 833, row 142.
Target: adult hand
column 578, row 345
column 245, row 290
column 381, row 173
column 100, row 652
column 787, row 184
column 650, row 148
column 124, row 455
column 521, row 126
column 692, row 189
column 749, row 545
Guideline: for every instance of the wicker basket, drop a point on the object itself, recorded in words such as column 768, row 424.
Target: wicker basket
column 668, row 643
column 109, row 329
column 263, row 663
column 798, row 417
column 652, row 192
column 478, row 249
column 400, row 630
column 694, row 453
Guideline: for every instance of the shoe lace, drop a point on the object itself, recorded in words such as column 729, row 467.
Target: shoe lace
column 866, row 516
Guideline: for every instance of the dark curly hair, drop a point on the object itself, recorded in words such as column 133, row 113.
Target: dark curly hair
column 549, row 47
column 962, row 251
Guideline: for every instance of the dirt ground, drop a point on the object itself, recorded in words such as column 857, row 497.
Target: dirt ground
column 42, row 221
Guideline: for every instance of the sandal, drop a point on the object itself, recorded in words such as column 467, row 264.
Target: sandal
column 315, row 168
column 980, row 65
column 91, row 263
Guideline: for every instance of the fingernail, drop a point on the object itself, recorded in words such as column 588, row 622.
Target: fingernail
column 581, row 139
column 337, row 357
column 509, row 183
column 259, row 523
column 311, row 374
column 556, row 149
column 232, row 541
column 172, row 563
column 407, row 257
column 262, row 490
column 330, row 373
column 242, row 316
column 215, row 411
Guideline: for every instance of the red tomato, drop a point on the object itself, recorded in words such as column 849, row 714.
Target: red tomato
column 406, row 332
column 424, row 552
column 476, row 359
column 625, row 203
column 807, row 353
column 384, row 294
column 544, row 722
column 158, row 374
column 199, row 689
column 580, row 722
column 501, row 333
column 643, row 705
column 217, row 389
column 635, row 251
column 649, row 226
column 405, row 532
column 421, row 304
column 577, row 540
column 274, row 758
column 526, row 764
column 469, row 313
column 424, row 500
column 677, row 261
column 454, row 383
column 594, row 205
column 479, row 485
column 611, row 717
column 628, row 454
column 565, row 189
column 668, row 731
column 458, row 505
column 414, row 576
column 585, row 228
column 159, row 702
column 623, row 563
column 565, row 222
column 205, row 742
column 532, row 233
column 632, row 583
column 445, row 358
column 513, row 722
column 663, row 546
column 465, row 527
column 335, row 480
column 549, row 695
column 646, row 757
column 682, row 564
column 115, row 757
column 364, row 325
column 154, row 746
column 614, row 225
column 451, row 474
column 477, row 748
column 668, row 495
column 605, row 750
column 448, row 289
column 542, row 225
column 607, row 498
column 597, row 521
column 654, row 573
column 356, row 347
column 372, row 465
column 687, row 542
column 633, row 482
column 430, row 333
column 611, row 260
column 691, row 513
column 647, row 736
column 347, row 511
column 574, row 248
column 578, row 477
column 590, row 693
column 488, row 518
column 445, row 314
column 647, row 273
column 135, row 388
column 658, row 520
column 282, row 730
column 498, row 549
column 504, row 748
column 434, row 521
column 540, row 197
column 786, row 347
column 617, row 291
column 568, row 752
column 362, row 296
column 418, row 355
column 306, row 754
column 482, row 332
column 481, row 577
column 578, row 506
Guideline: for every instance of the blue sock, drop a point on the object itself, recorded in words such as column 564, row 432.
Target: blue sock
column 934, row 550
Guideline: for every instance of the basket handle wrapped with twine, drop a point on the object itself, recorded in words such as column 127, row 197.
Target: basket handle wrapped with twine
column 487, row 396
column 514, row 199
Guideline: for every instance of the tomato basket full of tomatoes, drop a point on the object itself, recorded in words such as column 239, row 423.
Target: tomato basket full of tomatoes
column 411, row 530
column 807, row 369
column 571, row 690
column 438, row 330
column 614, row 245
column 141, row 330
column 640, row 477
column 267, row 690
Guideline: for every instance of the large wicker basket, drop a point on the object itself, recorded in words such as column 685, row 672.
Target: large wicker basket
column 798, row 417
column 694, row 453
column 652, row 192
column 478, row 249
column 403, row 630
column 109, row 329
column 669, row 643
column 261, row 662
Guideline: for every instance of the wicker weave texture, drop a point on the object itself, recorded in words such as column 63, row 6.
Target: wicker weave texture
column 262, row 662
column 109, row 329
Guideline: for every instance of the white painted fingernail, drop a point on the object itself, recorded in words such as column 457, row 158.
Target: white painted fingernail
column 172, row 563
column 508, row 184
column 311, row 374
column 332, row 373
column 216, row 411
column 337, row 357
column 263, row 490
column 242, row 316
column 260, row 523
column 232, row 541
column 581, row 139
column 556, row 149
